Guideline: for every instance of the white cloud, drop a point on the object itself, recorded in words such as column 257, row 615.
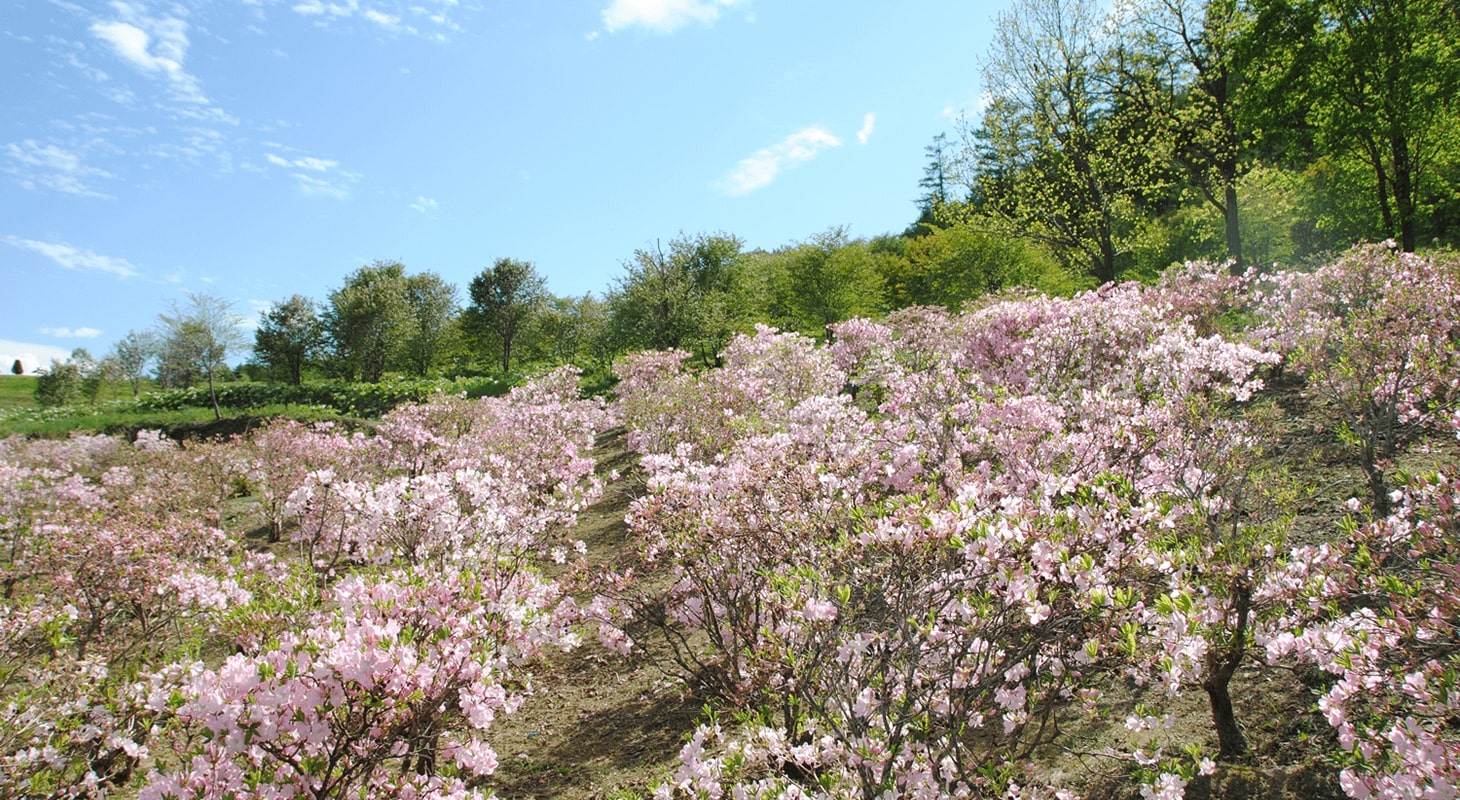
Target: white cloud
column 662, row 16
column 52, row 167
column 307, row 163
column 32, row 356
column 311, row 185
column 391, row 15
column 69, row 333
column 314, row 8
column 763, row 166
column 250, row 322
column 868, row 123
column 65, row 255
column 316, row 176
column 157, row 47
column 424, row 204
column 384, row 20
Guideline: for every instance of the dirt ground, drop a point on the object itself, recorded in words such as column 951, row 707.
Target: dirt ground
column 598, row 724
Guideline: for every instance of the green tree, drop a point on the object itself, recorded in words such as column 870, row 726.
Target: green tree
column 57, row 385
column 504, row 299
column 366, row 320
column 132, row 353
column 432, row 329
column 1048, row 156
column 17, row 368
column 101, row 375
column 827, row 279
column 289, row 335
column 951, row 265
column 94, row 375
column 688, row 297
column 936, row 183
column 1180, row 64
column 569, row 330
column 196, row 339
column 1385, row 94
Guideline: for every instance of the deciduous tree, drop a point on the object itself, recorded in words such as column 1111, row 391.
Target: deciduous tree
column 687, row 297
column 132, row 353
column 366, row 319
column 288, row 336
column 504, row 297
column 432, row 305
column 196, row 338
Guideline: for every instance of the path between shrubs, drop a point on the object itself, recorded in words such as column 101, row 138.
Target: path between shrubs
column 596, row 724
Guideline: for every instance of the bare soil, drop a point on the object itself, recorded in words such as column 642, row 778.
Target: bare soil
column 597, row 724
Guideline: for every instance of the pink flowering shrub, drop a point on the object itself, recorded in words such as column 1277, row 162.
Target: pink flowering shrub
column 107, row 601
column 764, row 377
column 281, row 455
column 909, row 596
column 1201, row 293
column 389, row 693
column 457, row 476
column 375, row 666
column 1376, row 334
column 1378, row 612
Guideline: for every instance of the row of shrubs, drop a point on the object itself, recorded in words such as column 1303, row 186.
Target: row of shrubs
column 354, row 399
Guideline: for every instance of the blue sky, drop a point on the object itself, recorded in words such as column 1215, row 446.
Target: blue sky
column 253, row 149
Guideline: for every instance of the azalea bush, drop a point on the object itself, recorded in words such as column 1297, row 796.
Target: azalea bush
column 1377, row 338
column 914, row 593
column 372, row 662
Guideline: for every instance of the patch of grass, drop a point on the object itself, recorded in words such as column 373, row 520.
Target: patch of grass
column 17, row 391
column 125, row 417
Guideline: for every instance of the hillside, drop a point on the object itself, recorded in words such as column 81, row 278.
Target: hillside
column 1193, row 538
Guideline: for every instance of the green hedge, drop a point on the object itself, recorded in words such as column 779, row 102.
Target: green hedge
column 354, row 399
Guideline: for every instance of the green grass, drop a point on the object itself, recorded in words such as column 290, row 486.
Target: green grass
column 17, row 391
column 117, row 417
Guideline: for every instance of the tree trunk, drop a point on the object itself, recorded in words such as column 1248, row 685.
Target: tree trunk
column 1403, row 187
column 1382, row 176
column 1105, row 271
column 1234, row 230
column 1232, row 744
column 1221, row 665
column 213, row 395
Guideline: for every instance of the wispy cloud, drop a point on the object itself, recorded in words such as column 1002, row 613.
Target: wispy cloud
column 250, row 321
column 49, row 166
column 316, row 176
column 390, row 22
column 314, row 8
column 424, row 204
column 762, row 167
column 662, row 16
column 307, row 163
column 869, row 122
column 72, row 333
column 65, row 255
column 157, row 46
column 428, row 18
